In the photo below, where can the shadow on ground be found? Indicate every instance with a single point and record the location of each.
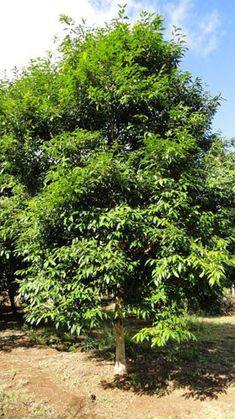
(203, 369)
(11, 334)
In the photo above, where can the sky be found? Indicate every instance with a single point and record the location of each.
(27, 29)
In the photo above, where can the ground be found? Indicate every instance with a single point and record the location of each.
(189, 381)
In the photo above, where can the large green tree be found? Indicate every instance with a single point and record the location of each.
(119, 199)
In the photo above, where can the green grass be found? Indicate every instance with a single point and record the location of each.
(49, 336)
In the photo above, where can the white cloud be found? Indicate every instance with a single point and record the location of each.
(178, 13)
(27, 26)
(209, 32)
(202, 32)
(107, 9)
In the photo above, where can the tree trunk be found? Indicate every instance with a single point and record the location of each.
(11, 292)
(120, 361)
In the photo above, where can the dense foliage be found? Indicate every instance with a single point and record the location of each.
(113, 186)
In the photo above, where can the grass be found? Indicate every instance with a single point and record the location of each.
(62, 341)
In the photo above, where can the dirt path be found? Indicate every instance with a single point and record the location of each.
(40, 382)
(30, 385)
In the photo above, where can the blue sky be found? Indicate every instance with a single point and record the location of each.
(27, 28)
(211, 53)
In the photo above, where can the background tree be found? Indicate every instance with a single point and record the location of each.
(25, 114)
(122, 204)
(220, 166)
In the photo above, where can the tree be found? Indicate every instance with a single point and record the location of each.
(124, 209)
(29, 117)
(220, 164)
(25, 114)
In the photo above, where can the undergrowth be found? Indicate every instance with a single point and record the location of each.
(103, 341)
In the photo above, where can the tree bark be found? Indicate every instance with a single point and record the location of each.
(11, 292)
(120, 361)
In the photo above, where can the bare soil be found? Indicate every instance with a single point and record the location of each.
(40, 382)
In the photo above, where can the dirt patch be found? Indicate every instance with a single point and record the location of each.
(25, 374)
(40, 382)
